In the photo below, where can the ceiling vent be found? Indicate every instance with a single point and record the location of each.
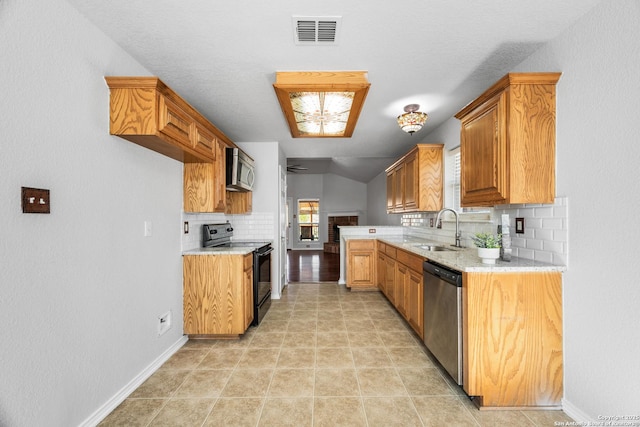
(316, 30)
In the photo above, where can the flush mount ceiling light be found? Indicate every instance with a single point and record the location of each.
(321, 104)
(412, 120)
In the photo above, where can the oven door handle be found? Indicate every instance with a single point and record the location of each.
(267, 252)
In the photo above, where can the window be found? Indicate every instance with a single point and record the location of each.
(452, 197)
(308, 219)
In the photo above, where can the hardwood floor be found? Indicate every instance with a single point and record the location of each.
(312, 266)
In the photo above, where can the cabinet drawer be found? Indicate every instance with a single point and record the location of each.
(391, 251)
(361, 244)
(412, 261)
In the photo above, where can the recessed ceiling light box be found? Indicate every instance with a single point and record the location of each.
(321, 104)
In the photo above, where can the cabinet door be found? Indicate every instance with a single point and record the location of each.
(173, 122)
(390, 192)
(415, 302)
(411, 185)
(389, 279)
(381, 262)
(213, 299)
(361, 263)
(429, 179)
(398, 190)
(238, 202)
(483, 156)
(204, 183)
(400, 284)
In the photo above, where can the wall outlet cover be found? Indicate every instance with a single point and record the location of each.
(164, 323)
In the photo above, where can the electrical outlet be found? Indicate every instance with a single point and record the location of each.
(186, 227)
(164, 323)
(430, 222)
(372, 231)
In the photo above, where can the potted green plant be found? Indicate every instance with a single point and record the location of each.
(488, 246)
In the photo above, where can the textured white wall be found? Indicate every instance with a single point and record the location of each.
(80, 288)
(598, 156)
(377, 202)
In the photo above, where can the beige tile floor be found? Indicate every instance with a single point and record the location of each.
(323, 356)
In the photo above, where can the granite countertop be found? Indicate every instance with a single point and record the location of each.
(219, 251)
(460, 259)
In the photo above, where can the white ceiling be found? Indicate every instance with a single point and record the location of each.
(221, 56)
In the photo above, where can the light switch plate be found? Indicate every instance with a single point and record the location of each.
(35, 200)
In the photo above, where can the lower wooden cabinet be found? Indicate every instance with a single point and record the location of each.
(399, 278)
(415, 302)
(361, 264)
(400, 287)
(512, 338)
(217, 294)
(409, 289)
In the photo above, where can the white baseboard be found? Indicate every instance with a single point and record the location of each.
(576, 413)
(121, 395)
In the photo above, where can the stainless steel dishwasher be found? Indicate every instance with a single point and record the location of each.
(443, 317)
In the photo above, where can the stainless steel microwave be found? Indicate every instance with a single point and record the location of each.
(240, 170)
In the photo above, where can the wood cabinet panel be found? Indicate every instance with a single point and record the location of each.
(512, 338)
(415, 302)
(381, 262)
(415, 181)
(204, 141)
(389, 279)
(239, 202)
(173, 122)
(507, 142)
(400, 287)
(248, 290)
(215, 294)
(147, 112)
(390, 192)
(361, 268)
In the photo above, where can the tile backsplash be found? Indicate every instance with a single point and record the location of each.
(545, 236)
(257, 226)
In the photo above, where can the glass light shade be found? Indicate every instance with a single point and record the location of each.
(412, 121)
(321, 104)
(321, 113)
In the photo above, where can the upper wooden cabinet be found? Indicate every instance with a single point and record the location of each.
(507, 142)
(204, 183)
(147, 112)
(415, 181)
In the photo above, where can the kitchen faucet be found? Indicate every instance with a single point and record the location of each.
(457, 245)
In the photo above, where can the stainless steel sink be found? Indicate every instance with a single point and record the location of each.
(434, 248)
